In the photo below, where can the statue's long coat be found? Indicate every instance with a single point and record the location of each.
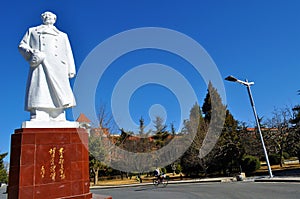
(48, 83)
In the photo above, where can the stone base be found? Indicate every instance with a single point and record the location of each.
(48, 163)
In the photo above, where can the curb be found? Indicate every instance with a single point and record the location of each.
(278, 179)
(206, 180)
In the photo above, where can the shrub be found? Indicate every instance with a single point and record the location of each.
(274, 159)
(286, 155)
(250, 164)
(178, 169)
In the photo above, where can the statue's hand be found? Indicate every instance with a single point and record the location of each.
(71, 75)
(37, 58)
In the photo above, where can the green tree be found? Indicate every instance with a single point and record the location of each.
(228, 150)
(214, 116)
(143, 143)
(190, 161)
(206, 155)
(3, 172)
(296, 116)
(227, 153)
(142, 127)
(213, 107)
(203, 151)
(160, 132)
(293, 142)
(293, 138)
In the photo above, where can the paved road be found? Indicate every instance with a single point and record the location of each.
(236, 190)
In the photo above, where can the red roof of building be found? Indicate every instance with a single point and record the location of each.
(83, 119)
(263, 129)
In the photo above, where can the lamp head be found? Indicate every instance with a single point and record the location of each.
(231, 79)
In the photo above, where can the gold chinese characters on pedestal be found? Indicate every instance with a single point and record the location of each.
(53, 165)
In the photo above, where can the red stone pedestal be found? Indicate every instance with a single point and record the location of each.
(47, 163)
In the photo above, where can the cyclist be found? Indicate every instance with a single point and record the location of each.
(161, 178)
(157, 174)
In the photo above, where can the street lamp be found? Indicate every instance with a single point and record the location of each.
(248, 84)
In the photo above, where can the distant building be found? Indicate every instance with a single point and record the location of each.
(254, 130)
(84, 122)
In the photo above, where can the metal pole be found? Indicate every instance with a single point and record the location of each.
(259, 130)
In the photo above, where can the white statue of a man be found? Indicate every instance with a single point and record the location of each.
(49, 54)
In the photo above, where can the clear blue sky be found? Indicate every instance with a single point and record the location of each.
(258, 40)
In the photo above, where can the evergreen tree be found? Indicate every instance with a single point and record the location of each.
(228, 150)
(160, 133)
(296, 118)
(214, 115)
(213, 106)
(190, 161)
(142, 126)
(226, 153)
(3, 172)
(293, 139)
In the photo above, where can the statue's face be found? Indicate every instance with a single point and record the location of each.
(48, 18)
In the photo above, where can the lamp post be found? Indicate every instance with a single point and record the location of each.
(248, 84)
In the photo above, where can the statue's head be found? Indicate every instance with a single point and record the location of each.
(48, 18)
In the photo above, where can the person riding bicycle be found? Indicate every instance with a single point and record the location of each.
(158, 174)
(160, 178)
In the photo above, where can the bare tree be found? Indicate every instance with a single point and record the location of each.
(278, 131)
(106, 119)
(99, 143)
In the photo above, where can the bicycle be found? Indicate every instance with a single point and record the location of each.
(163, 179)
